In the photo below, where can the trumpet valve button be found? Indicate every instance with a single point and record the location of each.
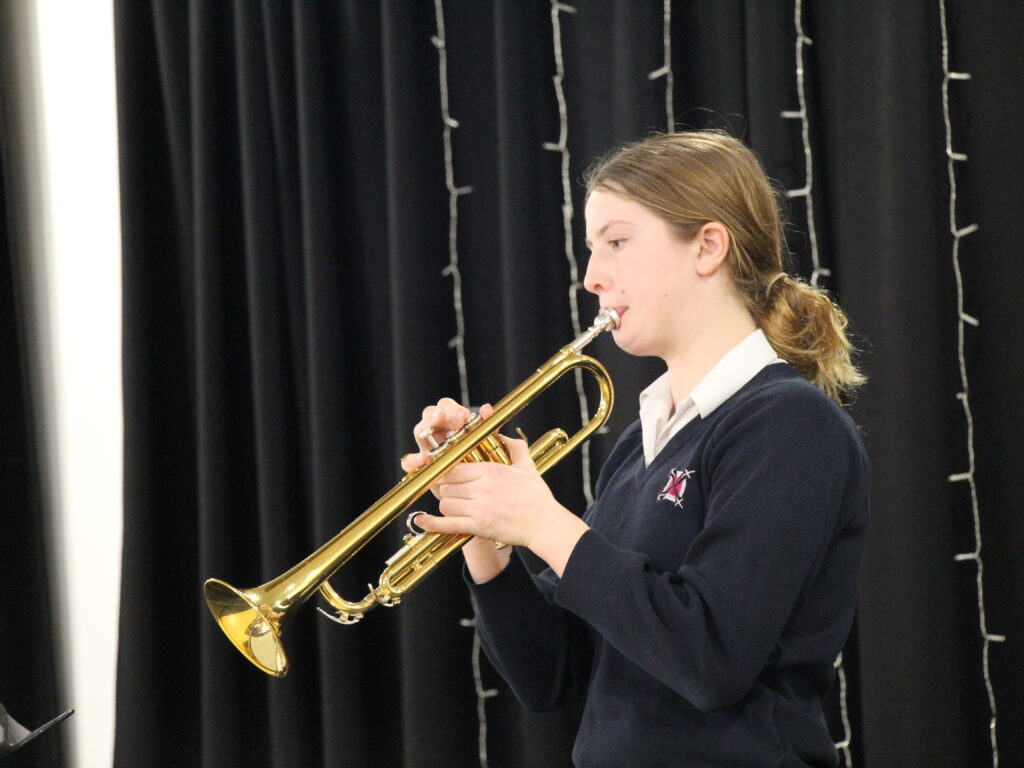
(410, 523)
(455, 435)
(427, 436)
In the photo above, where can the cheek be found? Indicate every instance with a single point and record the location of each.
(660, 291)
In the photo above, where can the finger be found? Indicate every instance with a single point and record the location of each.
(436, 524)
(455, 415)
(518, 452)
(435, 423)
(427, 425)
(465, 473)
(455, 491)
(438, 420)
(486, 411)
(457, 508)
(413, 461)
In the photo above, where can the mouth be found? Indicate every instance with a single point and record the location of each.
(620, 311)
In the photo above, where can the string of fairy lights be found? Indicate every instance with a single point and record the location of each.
(482, 693)
(843, 745)
(817, 272)
(458, 343)
(964, 319)
(802, 41)
(561, 146)
(665, 70)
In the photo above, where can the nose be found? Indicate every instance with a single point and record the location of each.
(596, 279)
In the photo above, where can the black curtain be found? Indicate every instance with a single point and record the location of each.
(30, 685)
(288, 312)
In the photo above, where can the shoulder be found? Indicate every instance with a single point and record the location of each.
(783, 409)
(780, 433)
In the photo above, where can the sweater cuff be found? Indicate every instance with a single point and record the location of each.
(589, 575)
(512, 579)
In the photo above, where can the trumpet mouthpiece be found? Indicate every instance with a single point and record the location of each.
(608, 318)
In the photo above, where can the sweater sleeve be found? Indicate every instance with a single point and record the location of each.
(532, 643)
(776, 481)
(536, 646)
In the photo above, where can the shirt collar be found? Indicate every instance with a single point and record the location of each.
(738, 366)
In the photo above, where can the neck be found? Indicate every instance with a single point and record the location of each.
(704, 349)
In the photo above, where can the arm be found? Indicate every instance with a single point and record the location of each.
(536, 646)
(782, 492)
(530, 641)
(542, 650)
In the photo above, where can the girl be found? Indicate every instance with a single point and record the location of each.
(712, 583)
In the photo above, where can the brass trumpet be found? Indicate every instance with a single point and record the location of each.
(254, 619)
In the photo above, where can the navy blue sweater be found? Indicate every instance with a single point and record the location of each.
(712, 594)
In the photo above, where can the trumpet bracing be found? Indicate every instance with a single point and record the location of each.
(254, 619)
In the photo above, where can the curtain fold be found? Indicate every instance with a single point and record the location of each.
(31, 684)
(292, 301)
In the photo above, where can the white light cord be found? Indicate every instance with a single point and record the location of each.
(844, 745)
(459, 342)
(817, 272)
(963, 318)
(561, 146)
(666, 69)
(482, 694)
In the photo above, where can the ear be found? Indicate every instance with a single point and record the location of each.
(713, 245)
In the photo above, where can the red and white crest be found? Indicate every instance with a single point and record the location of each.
(676, 486)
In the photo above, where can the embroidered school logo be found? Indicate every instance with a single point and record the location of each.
(676, 486)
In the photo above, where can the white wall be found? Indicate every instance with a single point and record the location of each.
(80, 256)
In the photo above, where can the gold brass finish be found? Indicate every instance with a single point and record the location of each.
(254, 619)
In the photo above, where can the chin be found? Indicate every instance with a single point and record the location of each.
(629, 344)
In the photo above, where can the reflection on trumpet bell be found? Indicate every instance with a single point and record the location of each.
(251, 626)
(254, 619)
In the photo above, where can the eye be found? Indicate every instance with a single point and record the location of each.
(615, 244)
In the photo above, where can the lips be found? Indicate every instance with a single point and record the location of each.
(620, 311)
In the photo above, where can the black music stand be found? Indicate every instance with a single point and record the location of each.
(13, 735)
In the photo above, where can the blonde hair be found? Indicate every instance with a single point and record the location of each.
(692, 178)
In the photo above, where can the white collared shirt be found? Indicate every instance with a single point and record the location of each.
(659, 423)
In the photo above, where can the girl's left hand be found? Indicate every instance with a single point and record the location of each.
(507, 503)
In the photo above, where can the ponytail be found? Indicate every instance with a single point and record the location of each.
(808, 330)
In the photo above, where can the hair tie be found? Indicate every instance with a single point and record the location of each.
(773, 281)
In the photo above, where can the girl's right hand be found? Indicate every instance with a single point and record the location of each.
(483, 560)
(447, 416)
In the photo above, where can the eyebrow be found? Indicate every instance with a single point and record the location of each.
(601, 231)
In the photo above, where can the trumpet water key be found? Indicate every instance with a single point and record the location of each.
(254, 619)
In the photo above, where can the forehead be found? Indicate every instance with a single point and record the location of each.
(605, 205)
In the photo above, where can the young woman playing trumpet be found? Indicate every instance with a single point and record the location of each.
(711, 585)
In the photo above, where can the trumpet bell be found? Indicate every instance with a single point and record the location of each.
(256, 636)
